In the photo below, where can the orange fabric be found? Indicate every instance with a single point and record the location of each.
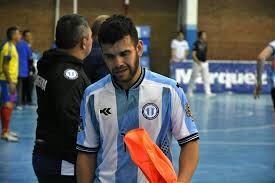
(156, 167)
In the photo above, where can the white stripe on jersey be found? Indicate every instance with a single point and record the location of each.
(178, 112)
(108, 131)
(151, 126)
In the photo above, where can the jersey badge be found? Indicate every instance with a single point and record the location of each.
(70, 74)
(150, 111)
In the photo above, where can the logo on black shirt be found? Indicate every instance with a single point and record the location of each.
(71, 74)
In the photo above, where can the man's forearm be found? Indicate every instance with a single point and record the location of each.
(173, 55)
(186, 54)
(188, 160)
(195, 58)
(6, 72)
(85, 167)
(260, 64)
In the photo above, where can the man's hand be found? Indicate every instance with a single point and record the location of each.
(197, 62)
(257, 91)
(12, 88)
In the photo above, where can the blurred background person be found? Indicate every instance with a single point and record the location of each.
(9, 62)
(94, 65)
(28, 37)
(179, 48)
(25, 59)
(265, 54)
(200, 65)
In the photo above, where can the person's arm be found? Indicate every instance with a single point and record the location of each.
(194, 53)
(186, 50)
(186, 54)
(173, 54)
(85, 167)
(87, 143)
(30, 61)
(188, 161)
(185, 132)
(262, 57)
(12, 85)
(195, 58)
(173, 51)
(6, 65)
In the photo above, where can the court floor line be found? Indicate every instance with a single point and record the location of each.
(237, 143)
(237, 129)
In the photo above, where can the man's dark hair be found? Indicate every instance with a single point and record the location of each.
(180, 32)
(200, 33)
(11, 31)
(70, 30)
(26, 31)
(116, 28)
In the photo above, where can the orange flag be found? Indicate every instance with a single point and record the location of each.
(156, 167)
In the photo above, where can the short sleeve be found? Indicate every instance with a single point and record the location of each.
(195, 46)
(272, 45)
(173, 44)
(88, 130)
(6, 52)
(183, 126)
(186, 45)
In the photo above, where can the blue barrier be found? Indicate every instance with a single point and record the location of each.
(225, 76)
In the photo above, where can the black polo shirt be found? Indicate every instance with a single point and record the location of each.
(201, 50)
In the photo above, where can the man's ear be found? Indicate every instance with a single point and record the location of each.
(140, 48)
(83, 43)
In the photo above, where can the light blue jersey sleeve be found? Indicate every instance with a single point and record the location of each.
(272, 45)
(88, 130)
(183, 125)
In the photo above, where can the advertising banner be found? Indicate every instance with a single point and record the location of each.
(225, 76)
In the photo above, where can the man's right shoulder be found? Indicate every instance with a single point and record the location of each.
(99, 85)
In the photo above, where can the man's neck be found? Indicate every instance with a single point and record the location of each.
(13, 42)
(128, 85)
(202, 40)
(74, 53)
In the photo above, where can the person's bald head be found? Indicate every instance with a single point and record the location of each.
(97, 24)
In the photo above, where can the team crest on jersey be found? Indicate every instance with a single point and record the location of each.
(150, 111)
(188, 111)
(71, 74)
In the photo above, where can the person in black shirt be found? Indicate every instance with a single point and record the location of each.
(94, 64)
(200, 64)
(60, 84)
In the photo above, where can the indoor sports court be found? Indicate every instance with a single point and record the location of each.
(220, 53)
(236, 141)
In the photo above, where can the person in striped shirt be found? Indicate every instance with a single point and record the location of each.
(128, 98)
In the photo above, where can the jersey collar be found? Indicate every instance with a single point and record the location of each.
(136, 84)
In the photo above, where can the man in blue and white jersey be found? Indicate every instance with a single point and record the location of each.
(131, 97)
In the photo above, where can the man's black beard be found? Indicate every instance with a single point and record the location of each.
(133, 71)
